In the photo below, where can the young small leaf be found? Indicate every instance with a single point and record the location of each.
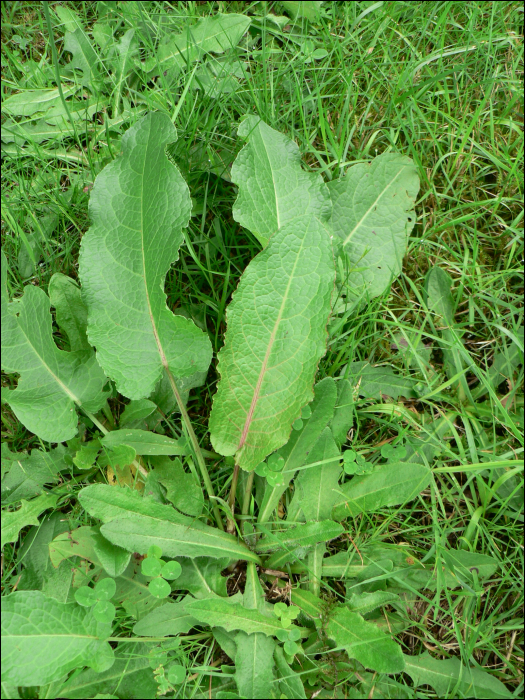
(71, 312)
(176, 674)
(114, 559)
(138, 206)
(104, 611)
(171, 570)
(151, 566)
(105, 589)
(86, 596)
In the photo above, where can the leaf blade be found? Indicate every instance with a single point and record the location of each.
(123, 267)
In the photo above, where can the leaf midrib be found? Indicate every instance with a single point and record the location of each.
(255, 397)
(365, 215)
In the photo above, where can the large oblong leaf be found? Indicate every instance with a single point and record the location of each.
(135, 523)
(273, 187)
(139, 206)
(233, 616)
(275, 338)
(52, 383)
(43, 639)
(373, 214)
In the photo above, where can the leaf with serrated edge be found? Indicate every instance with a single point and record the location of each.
(139, 206)
(52, 382)
(387, 485)
(365, 642)
(290, 683)
(137, 533)
(214, 34)
(27, 514)
(373, 215)
(187, 537)
(300, 536)
(447, 674)
(232, 616)
(169, 619)
(43, 639)
(273, 187)
(275, 337)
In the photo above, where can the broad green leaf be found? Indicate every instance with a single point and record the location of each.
(254, 665)
(373, 215)
(364, 603)
(130, 674)
(201, 576)
(273, 187)
(447, 675)
(138, 532)
(343, 414)
(290, 683)
(138, 207)
(232, 616)
(365, 642)
(376, 382)
(143, 442)
(43, 639)
(182, 489)
(350, 565)
(83, 57)
(301, 442)
(168, 619)
(253, 596)
(388, 484)
(27, 514)
(29, 102)
(310, 10)
(465, 562)
(71, 312)
(300, 536)
(102, 34)
(34, 553)
(275, 338)
(113, 559)
(109, 502)
(317, 488)
(163, 395)
(174, 533)
(52, 382)
(214, 34)
(136, 410)
(24, 475)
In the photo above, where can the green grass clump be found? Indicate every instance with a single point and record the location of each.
(440, 82)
